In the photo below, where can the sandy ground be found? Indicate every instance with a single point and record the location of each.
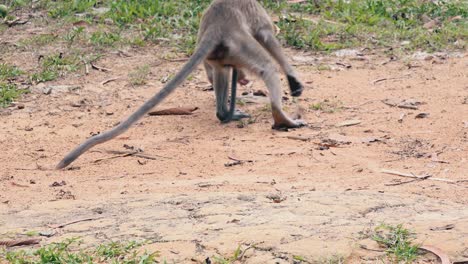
(202, 188)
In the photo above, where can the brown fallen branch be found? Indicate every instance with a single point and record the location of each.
(421, 177)
(174, 111)
(444, 258)
(98, 68)
(74, 222)
(126, 154)
(19, 185)
(137, 154)
(86, 66)
(300, 138)
(400, 183)
(374, 82)
(110, 80)
(236, 162)
(20, 242)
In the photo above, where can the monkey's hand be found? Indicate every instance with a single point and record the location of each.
(295, 85)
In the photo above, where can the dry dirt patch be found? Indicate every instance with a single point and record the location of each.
(193, 204)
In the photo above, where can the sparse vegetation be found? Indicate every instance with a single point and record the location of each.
(70, 251)
(313, 25)
(327, 106)
(335, 259)
(398, 242)
(55, 66)
(9, 90)
(140, 75)
(236, 256)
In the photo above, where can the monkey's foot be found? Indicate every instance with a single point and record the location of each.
(238, 115)
(295, 85)
(284, 126)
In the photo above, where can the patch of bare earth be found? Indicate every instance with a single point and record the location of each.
(201, 188)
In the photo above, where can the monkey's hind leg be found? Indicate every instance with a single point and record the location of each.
(268, 40)
(221, 87)
(251, 55)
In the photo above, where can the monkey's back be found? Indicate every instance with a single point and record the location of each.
(243, 15)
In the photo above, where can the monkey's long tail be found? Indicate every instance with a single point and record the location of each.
(204, 48)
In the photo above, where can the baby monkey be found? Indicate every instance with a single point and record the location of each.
(234, 36)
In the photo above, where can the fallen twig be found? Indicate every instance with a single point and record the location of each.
(110, 80)
(94, 66)
(407, 175)
(422, 177)
(137, 154)
(115, 157)
(401, 183)
(20, 242)
(86, 67)
(374, 82)
(236, 162)
(19, 185)
(300, 138)
(74, 222)
(174, 111)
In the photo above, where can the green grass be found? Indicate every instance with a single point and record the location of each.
(104, 38)
(398, 242)
(71, 251)
(8, 93)
(38, 40)
(327, 106)
(54, 66)
(8, 90)
(324, 25)
(139, 75)
(9, 72)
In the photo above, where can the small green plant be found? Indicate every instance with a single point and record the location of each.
(8, 93)
(8, 90)
(55, 66)
(9, 72)
(71, 251)
(74, 34)
(327, 106)
(103, 38)
(238, 255)
(397, 241)
(139, 76)
(335, 259)
(38, 40)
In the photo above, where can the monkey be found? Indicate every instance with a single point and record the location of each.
(234, 36)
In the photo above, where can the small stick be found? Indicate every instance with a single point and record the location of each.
(115, 157)
(137, 154)
(305, 139)
(110, 80)
(400, 183)
(407, 175)
(234, 159)
(94, 66)
(424, 177)
(74, 222)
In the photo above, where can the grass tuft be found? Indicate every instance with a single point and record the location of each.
(397, 241)
(71, 251)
